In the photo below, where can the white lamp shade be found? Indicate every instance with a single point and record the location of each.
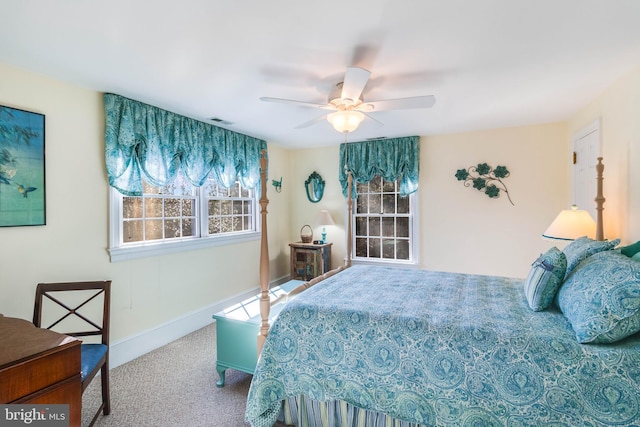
(571, 224)
(324, 218)
(345, 120)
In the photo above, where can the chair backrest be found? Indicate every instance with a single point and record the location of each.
(73, 312)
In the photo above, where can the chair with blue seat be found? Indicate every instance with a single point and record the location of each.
(80, 309)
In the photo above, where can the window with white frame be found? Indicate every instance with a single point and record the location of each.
(180, 216)
(384, 223)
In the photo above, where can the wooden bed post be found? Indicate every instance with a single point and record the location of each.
(265, 301)
(349, 214)
(264, 256)
(599, 201)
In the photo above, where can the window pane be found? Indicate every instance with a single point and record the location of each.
(237, 207)
(132, 207)
(153, 208)
(214, 225)
(388, 227)
(403, 205)
(132, 231)
(172, 207)
(361, 247)
(375, 203)
(188, 206)
(402, 249)
(374, 248)
(389, 187)
(172, 228)
(187, 227)
(374, 226)
(225, 207)
(361, 226)
(362, 188)
(362, 203)
(388, 248)
(402, 226)
(389, 203)
(226, 224)
(153, 229)
(215, 207)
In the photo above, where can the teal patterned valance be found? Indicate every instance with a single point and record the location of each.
(392, 159)
(147, 142)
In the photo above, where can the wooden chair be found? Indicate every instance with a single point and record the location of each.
(68, 299)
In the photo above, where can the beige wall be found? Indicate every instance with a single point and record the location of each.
(325, 162)
(461, 229)
(618, 109)
(72, 246)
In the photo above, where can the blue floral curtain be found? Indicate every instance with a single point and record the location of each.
(392, 159)
(147, 142)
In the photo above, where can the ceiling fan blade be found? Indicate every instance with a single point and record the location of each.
(312, 122)
(399, 104)
(377, 122)
(298, 103)
(355, 79)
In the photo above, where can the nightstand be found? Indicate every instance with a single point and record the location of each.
(308, 260)
(237, 330)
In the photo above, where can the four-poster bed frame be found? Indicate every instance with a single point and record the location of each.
(436, 348)
(266, 303)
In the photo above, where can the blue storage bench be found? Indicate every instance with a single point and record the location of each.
(237, 330)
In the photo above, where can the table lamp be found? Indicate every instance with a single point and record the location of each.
(324, 218)
(571, 224)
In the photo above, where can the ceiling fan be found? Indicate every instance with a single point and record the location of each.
(349, 108)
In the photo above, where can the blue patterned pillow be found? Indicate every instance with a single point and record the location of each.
(544, 279)
(582, 248)
(631, 250)
(601, 298)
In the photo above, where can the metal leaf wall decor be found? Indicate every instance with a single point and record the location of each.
(486, 179)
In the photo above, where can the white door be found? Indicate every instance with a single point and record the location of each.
(586, 150)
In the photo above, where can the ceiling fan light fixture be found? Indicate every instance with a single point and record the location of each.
(345, 121)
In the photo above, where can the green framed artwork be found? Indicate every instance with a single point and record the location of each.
(22, 177)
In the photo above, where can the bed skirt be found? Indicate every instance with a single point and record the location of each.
(300, 411)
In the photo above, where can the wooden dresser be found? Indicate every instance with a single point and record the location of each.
(38, 366)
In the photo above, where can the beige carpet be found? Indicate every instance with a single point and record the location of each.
(173, 386)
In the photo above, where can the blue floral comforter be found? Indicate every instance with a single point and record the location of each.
(441, 349)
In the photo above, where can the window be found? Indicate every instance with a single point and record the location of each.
(384, 223)
(180, 216)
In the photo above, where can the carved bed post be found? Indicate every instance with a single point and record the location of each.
(599, 201)
(349, 214)
(264, 256)
(265, 301)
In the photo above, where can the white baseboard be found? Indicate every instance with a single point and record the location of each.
(135, 346)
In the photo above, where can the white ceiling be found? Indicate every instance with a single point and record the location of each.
(489, 63)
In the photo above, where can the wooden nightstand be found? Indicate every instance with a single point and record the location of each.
(237, 330)
(308, 260)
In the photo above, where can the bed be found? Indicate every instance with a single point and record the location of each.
(444, 349)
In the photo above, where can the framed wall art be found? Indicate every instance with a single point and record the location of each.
(22, 175)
